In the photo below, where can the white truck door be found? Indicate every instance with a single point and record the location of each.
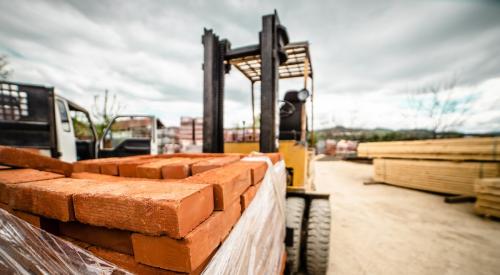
(66, 143)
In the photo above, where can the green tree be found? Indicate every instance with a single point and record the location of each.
(104, 109)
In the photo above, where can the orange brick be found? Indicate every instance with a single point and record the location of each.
(114, 239)
(21, 158)
(101, 165)
(48, 225)
(127, 262)
(257, 168)
(110, 167)
(145, 206)
(153, 169)
(107, 178)
(97, 177)
(231, 217)
(213, 163)
(15, 176)
(180, 170)
(48, 198)
(229, 183)
(5, 207)
(183, 255)
(29, 218)
(247, 197)
(129, 168)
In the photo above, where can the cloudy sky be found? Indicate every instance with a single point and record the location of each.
(369, 57)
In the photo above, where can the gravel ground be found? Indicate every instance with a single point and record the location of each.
(382, 229)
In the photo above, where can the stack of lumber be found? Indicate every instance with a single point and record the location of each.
(148, 214)
(488, 197)
(481, 149)
(443, 165)
(448, 177)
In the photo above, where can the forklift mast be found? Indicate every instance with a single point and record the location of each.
(217, 62)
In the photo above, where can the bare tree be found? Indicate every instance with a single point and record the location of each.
(439, 106)
(4, 71)
(104, 109)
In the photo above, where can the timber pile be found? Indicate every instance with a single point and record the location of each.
(481, 149)
(438, 176)
(488, 197)
(162, 214)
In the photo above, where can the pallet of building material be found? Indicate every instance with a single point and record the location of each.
(29, 250)
(434, 175)
(488, 197)
(484, 149)
(144, 225)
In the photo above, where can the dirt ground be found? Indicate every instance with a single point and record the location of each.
(382, 229)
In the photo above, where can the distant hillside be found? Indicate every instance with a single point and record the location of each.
(380, 134)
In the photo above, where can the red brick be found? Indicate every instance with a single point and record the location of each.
(127, 262)
(213, 163)
(129, 168)
(153, 169)
(180, 255)
(102, 165)
(97, 177)
(107, 178)
(114, 239)
(48, 225)
(111, 167)
(145, 206)
(229, 183)
(180, 170)
(21, 158)
(258, 169)
(231, 217)
(15, 176)
(201, 155)
(247, 197)
(29, 218)
(5, 207)
(48, 198)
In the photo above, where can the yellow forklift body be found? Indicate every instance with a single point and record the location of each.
(296, 159)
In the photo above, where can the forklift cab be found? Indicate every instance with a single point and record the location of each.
(283, 128)
(283, 123)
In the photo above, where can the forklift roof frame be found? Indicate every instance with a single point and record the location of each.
(272, 59)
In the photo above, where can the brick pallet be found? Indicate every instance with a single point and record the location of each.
(162, 220)
(488, 197)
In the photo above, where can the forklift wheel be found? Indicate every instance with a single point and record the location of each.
(318, 237)
(294, 214)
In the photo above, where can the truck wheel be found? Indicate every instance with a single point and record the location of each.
(294, 214)
(318, 237)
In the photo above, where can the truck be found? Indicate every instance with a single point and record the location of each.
(36, 117)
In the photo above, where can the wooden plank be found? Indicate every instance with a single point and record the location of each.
(487, 149)
(434, 175)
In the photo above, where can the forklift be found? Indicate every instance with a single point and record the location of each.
(283, 128)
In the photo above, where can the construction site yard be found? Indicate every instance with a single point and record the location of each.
(384, 229)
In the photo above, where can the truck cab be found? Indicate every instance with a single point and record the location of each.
(36, 118)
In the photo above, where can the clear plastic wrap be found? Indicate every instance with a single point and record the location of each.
(256, 243)
(25, 249)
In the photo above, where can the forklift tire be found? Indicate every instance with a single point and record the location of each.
(294, 215)
(318, 237)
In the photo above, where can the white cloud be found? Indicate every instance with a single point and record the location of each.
(365, 54)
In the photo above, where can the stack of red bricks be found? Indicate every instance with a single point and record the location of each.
(164, 214)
